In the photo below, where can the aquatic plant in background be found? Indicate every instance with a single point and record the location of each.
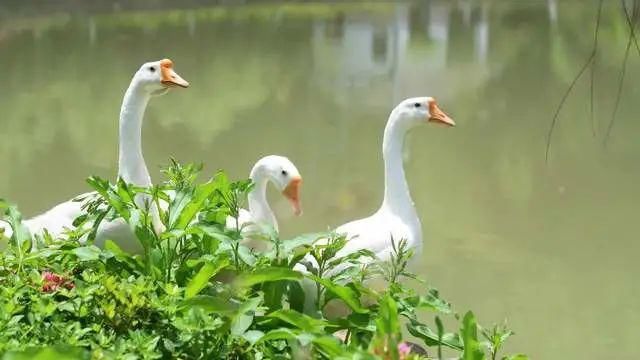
(196, 292)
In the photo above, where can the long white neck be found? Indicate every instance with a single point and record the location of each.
(258, 205)
(396, 191)
(131, 165)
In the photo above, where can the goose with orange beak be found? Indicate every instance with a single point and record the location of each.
(396, 219)
(283, 174)
(151, 79)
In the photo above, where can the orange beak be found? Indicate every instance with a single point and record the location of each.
(292, 193)
(438, 116)
(169, 77)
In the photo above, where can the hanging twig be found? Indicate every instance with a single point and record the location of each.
(620, 84)
(622, 73)
(590, 61)
(564, 98)
(593, 69)
(630, 23)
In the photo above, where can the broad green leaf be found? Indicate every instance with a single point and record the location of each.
(266, 275)
(87, 253)
(114, 248)
(388, 316)
(304, 239)
(180, 200)
(210, 304)
(48, 353)
(246, 256)
(387, 326)
(43, 253)
(253, 336)
(241, 323)
(301, 321)
(296, 296)
(124, 191)
(273, 293)
(278, 334)
(431, 301)
(122, 257)
(330, 346)
(346, 294)
(21, 235)
(430, 338)
(200, 280)
(244, 317)
(469, 334)
(139, 227)
(195, 204)
(516, 357)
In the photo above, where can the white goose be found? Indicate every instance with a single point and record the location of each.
(279, 171)
(396, 218)
(152, 79)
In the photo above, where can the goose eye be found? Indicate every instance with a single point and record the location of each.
(284, 172)
(416, 105)
(152, 69)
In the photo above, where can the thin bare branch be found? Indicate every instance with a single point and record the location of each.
(564, 98)
(630, 23)
(593, 69)
(619, 95)
(591, 60)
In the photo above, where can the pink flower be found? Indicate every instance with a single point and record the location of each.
(404, 349)
(51, 282)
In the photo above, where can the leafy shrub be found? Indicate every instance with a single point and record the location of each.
(196, 292)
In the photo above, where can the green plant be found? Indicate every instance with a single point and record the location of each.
(196, 292)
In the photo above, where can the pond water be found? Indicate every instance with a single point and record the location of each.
(550, 246)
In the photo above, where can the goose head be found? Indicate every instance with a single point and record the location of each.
(418, 110)
(280, 171)
(157, 77)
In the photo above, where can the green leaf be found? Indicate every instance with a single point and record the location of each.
(301, 321)
(201, 279)
(266, 275)
(303, 240)
(440, 327)
(430, 338)
(122, 258)
(87, 253)
(114, 248)
(177, 205)
(241, 323)
(21, 233)
(296, 296)
(246, 256)
(388, 327)
(253, 336)
(431, 301)
(516, 357)
(48, 353)
(346, 294)
(278, 334)
(194, 204)
(387, 322)
(469, 334)
(244, 317)
(210, 304)
(330, 347)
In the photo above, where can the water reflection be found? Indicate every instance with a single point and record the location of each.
(547, 246)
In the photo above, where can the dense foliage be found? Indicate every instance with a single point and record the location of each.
(195, 291)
